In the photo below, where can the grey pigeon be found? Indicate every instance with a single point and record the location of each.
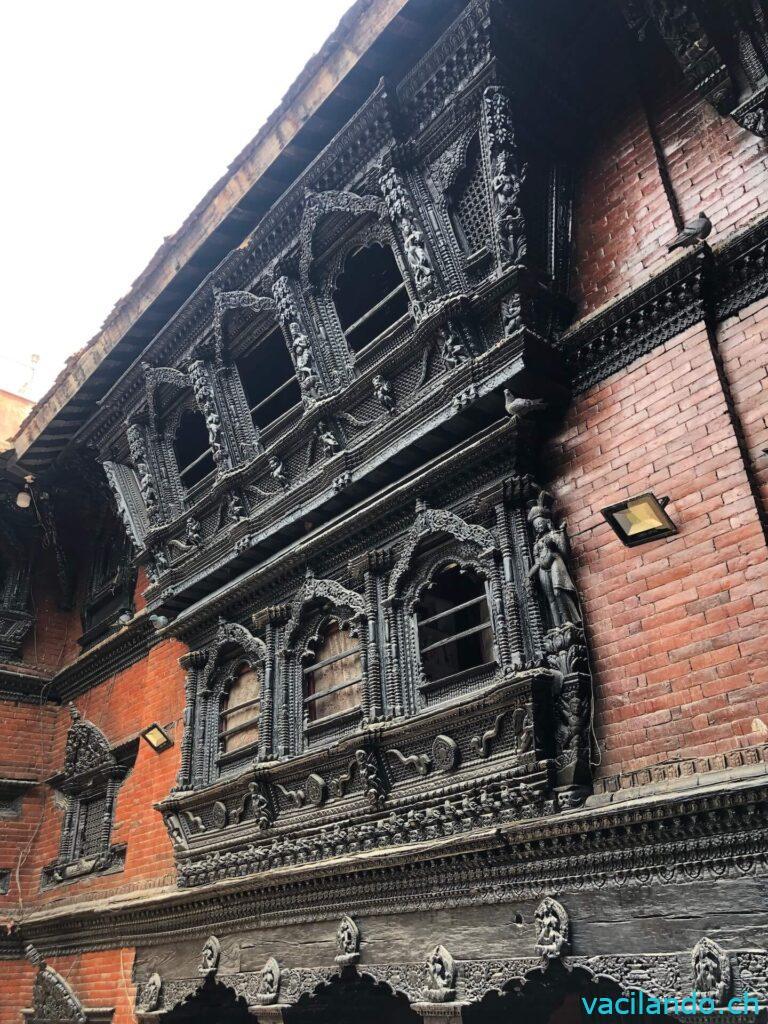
(516, 406)
(692, 233)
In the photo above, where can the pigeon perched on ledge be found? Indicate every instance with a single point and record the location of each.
(516, 406)
(692, 233)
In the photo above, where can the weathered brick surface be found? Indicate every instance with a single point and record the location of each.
(678, 627)
(150, 691)
(100, 979)
(743, 342)
(622, 219)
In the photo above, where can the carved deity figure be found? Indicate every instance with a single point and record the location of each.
(711, 970)
(277, 471)
(453, 349)
(383, 393)
(327, 439)
(347, 941)
(150, 994)
(269, 983)
(209, 958)
(550, 550)
(416, 254)
(302, 357)
(442, 974)
(552, 923)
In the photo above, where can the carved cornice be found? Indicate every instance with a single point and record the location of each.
(696, 835)
(114, 654)
(703, 283)
(652, 314)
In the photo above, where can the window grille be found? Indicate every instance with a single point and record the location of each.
(239, 718)
(454, 625)
(333, 683)
(370, 295)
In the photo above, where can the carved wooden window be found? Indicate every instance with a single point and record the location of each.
(192, 449)
(454, 624)
(333, 682)
(90, 780)
(469, 205)
(89, 816)
(269, 380)
(240, 714)
(370, 294)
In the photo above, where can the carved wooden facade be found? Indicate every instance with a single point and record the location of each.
(401, 462)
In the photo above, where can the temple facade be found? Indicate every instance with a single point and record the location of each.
(383, 591)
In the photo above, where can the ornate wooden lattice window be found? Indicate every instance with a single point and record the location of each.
(370, 294)
(90, 780)
(468, 205)
(240, 715)
(333, 681)
(268, 379)
(454, 624)
(192, 448)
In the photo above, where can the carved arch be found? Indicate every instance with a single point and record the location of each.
(321, 590)
(154, 376)
(432, 521)
(54, 1000)
(225, 301)
(318, 205)
(87, 749)
(228, 635)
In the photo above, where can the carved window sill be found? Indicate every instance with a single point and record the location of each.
(101, 864)
(483, 672)
(316, 732)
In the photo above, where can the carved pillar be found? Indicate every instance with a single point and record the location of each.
(105, 827)
(439, 1013)
(297, 338)
(192, 663)
(160, 491)
(393, 678)
(506, 174)
(272, 620)
(67, 828)
(220, 398)
(402, 213)
(498, 610)
(508, 574)
(376, 564)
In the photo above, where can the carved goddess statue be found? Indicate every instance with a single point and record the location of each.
(550, 550)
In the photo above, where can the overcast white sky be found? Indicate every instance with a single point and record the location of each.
(117, 118)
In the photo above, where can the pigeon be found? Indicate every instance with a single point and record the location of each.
(692, 233)
(517, 406)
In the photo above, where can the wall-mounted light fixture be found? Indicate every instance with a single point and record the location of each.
(640, 519)
(157, 738)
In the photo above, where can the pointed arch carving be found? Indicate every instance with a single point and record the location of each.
(225, 301)
(316, 590)
(87, 749)
(431, 521)
(54, 1001)
(318, 205)
(231, 634)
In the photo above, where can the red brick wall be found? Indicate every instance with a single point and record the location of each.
(150, 691)
(52, 641)
(679, 627)
(25, 746)
(743, 342)
(100, 979)
(622, 220)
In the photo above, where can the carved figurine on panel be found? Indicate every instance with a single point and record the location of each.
(210, 956)
(712, 975)
(550, 551)
(442, 975)
(347, 942)
(269, 983)
(552, 927)
(383, 392)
